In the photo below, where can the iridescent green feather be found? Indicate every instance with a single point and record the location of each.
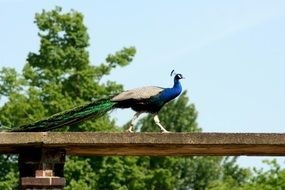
(94, 109)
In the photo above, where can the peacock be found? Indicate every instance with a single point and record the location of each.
(149, 99)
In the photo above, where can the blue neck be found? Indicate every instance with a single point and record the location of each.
(171, 93)
(177, 85)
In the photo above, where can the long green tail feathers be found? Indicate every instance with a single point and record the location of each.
(76, 115)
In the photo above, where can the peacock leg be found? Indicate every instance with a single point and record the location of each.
(133, 122)
(157, 122)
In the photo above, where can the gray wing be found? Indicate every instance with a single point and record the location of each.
(138, 93)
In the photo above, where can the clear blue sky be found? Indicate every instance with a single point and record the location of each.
(231, 52)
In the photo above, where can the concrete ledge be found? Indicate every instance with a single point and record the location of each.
(148, 144)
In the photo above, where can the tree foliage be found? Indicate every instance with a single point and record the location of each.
(59, 76)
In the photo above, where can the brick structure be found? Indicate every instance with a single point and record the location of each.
(41, 168)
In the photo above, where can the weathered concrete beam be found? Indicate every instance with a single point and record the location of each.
(150, 144)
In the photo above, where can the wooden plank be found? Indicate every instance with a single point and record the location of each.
(147, 144)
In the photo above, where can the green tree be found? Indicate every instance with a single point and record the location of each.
(57, 78)
(271, 179)
(231, 176)
(8, 172)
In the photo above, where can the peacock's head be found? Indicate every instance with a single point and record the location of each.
(177, 75)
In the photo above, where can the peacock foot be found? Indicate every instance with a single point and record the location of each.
(164, 131)
(130, 131)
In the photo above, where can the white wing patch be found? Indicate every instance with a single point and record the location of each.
(138, 93)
